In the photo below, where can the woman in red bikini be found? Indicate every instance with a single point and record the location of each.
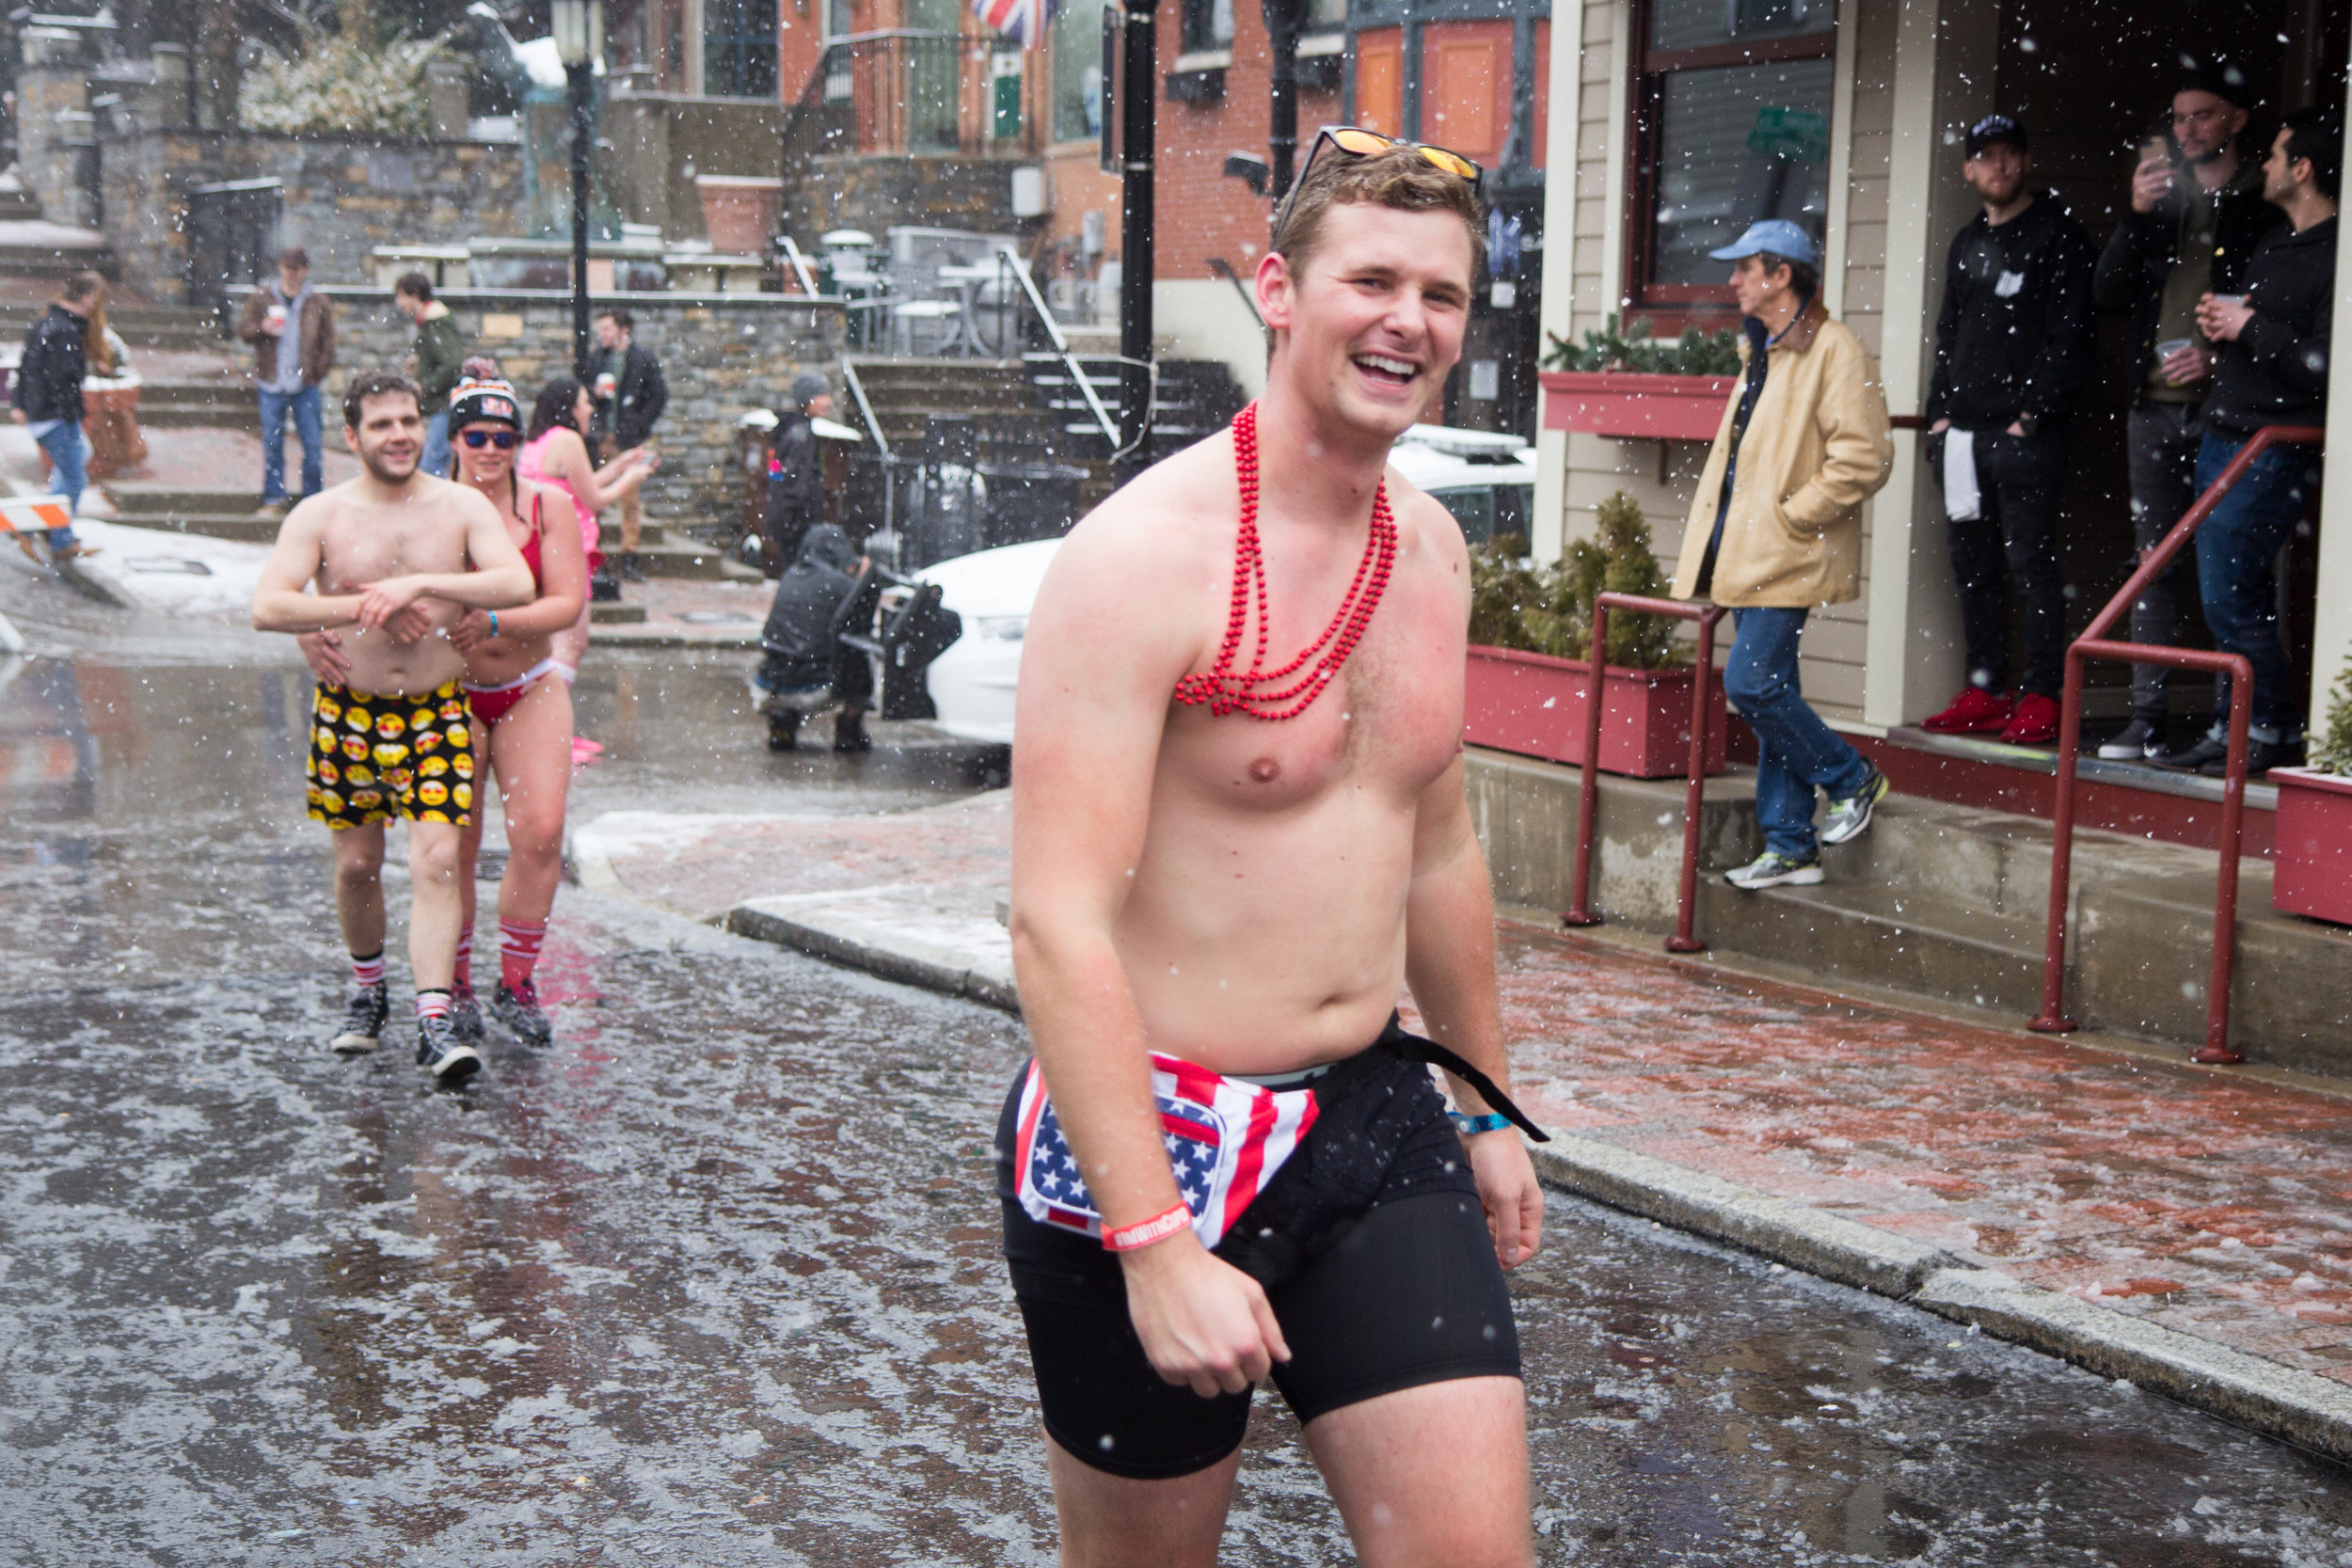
(522, 717)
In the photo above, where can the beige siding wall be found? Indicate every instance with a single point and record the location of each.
(1663, 475)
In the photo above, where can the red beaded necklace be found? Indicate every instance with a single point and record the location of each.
(1226, 691)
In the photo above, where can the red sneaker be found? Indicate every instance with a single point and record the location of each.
(2035, 722)
(1975, 711)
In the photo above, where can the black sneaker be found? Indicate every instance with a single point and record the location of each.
(363, 1022)
(519, 1011)
(464, 1016)
(2261, 757)
(440, 1053)
(2138, 742)
(2193, 756)
(849, 733)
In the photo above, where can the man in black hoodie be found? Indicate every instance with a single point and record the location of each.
(2012, 347)
(49, 398)
(796, 476)
(2197, 212)
(2270, 367)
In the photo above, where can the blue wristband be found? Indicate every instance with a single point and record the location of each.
(494, 622)
(1469, 1127)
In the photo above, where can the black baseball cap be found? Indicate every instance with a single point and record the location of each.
(2221, 77)
(1996, 128)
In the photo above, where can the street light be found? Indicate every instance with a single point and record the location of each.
(579, 29)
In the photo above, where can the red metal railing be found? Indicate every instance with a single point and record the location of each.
(1580, 911)
(2095, 643)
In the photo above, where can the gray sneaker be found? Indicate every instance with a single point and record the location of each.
(1850, 818)
(2139, 742)
(1774, 869)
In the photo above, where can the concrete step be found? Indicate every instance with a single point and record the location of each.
(149, 499)
(614, 613)
(1942, 903)
(684, 558)
(58, 261)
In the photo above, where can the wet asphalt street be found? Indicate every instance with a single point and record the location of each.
(713, 1280)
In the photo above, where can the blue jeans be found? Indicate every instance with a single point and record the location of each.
(305, 407)
(1799, 752)
(2235, 551)
(68, 450)
(438, 455)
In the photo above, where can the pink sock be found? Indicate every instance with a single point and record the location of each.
(463, 983)
(519, 951)
(432, 1003)
(369, 971)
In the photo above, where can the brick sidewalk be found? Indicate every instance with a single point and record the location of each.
(2212, 1205)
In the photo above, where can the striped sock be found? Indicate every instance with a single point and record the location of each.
(369, 972)
(432, 1003)
(519, 951)
(462, 984)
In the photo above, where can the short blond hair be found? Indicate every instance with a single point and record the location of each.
(1399, 178)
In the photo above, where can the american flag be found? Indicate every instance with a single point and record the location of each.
(1224, 1141)
(1022, 21)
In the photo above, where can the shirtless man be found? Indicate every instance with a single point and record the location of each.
(1223, 860)
(398, 555)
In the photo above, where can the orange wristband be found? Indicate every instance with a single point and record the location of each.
(1159, 1227)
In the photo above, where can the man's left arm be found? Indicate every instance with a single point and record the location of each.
(1449, 967)
(657, 396)
(1857, 453)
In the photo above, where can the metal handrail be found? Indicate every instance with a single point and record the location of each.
(1580, 911)
(2095, 643)
(1012, 261)
(798, 263)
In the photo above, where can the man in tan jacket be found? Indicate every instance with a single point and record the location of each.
(1776, 528)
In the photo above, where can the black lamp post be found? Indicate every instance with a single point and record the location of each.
(1139, 84)
(579, 29)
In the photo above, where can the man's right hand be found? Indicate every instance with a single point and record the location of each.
(2151, 186)
(1203, 1323)
(323, 651)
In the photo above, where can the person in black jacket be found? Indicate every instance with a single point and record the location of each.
(630, 394)
(2197, 212)
(2270, 367)
(49, 398)
(796, 479)
(2012, 348)
(804, 667)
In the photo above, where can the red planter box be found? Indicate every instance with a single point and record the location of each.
(2313, 858)
(1628, 404)
(1534, 705)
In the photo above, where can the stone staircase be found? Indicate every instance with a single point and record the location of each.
(1942, 903)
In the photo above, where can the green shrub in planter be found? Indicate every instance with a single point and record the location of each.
(1633, 349)
(2330, 747)
(1550, 610)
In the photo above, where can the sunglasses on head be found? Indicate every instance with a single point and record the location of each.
(1357, 142)
(501, 439)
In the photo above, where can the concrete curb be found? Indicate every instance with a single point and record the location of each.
(2278, 1401)
(1844, 1250)
(876, 947)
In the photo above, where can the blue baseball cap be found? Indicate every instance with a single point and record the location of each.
(1784, 239)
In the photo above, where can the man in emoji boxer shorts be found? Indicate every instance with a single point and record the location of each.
(398, 555)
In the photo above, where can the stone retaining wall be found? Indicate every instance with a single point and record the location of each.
(722, 356)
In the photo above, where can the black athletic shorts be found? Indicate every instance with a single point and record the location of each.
(1373, 1251)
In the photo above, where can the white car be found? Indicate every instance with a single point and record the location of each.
(1487, 480)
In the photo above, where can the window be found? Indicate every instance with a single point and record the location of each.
(739, 48)
(1465, 87)
(1208, 25)
(1324, 16)
(1078, 71)
(1731, 125)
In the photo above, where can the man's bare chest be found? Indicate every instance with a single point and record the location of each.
(361, 547)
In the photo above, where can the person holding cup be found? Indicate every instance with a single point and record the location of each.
(291, 327)
(2196, 215)
(2269, 367)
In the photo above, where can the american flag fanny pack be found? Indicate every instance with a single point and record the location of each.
(1225, 1138)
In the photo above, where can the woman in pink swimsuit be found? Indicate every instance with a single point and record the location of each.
(556, 455)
